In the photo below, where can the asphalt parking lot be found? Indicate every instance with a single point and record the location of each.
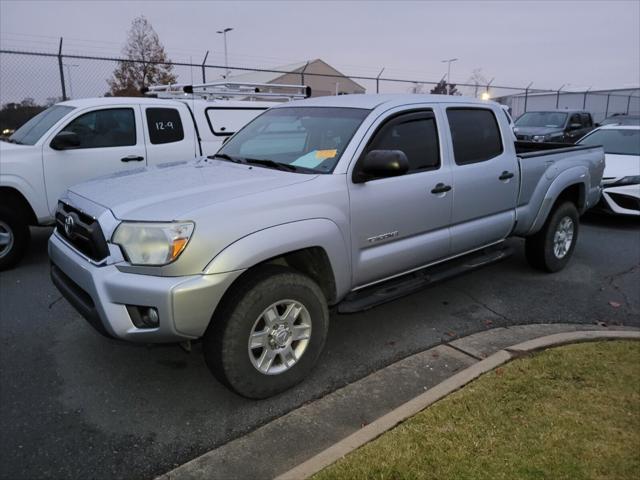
(75, 405)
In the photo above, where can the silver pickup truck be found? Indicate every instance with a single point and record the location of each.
(343, 202)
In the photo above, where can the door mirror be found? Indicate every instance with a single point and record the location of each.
(65, 140)
(381, 164)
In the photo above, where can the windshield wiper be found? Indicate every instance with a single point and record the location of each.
(11, 140)
(287, 167)
(224, 156)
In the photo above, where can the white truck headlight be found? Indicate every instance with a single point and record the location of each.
(152, 243)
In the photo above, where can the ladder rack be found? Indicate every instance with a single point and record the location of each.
(228, 89)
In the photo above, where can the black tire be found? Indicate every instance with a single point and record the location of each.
(539, 248)
(226, 341)
(14, 238)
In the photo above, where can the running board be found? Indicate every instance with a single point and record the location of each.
(375, 295)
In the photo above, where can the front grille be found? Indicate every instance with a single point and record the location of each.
(625, 201)
(82, 231)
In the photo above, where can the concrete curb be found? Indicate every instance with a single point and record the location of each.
(419, 403)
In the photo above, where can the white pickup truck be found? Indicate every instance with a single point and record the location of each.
(78, 140)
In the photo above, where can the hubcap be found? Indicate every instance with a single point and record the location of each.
(6, 239)
(279, 337)
(563, 237)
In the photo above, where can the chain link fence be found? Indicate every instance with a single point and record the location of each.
(41, 79)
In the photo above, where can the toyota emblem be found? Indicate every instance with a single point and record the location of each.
(69, 222)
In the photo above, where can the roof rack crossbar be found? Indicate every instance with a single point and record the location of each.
(225, 88)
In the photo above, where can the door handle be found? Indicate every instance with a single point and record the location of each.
(505, 175)
(132, 158)
(440, 188)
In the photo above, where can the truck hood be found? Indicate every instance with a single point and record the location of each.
(7, 147)
(537, 130)
(618, 166)
(170, 192)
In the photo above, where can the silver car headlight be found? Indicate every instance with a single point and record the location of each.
(152, 243)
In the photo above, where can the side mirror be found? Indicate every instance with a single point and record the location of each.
(381, 164)
(65, 140)
(575, 126)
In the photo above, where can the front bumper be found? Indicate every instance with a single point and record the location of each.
(101, 294)
(624, 200)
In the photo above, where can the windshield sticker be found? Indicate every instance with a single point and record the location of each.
(324, 154)
(314, 158)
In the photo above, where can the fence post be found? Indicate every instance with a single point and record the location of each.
(606, 112)
(558, 95)
(378, 81)
(628, 104)
(204, 75)
(584, 100)
(302, 73)
(526, 96)
(64, 88)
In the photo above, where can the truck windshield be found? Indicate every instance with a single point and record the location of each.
(622, 141)
(30, 132)
(542, 119)
(308, 139)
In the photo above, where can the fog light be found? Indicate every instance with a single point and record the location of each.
(144, 317)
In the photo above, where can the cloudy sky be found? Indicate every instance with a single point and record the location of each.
(578, 43)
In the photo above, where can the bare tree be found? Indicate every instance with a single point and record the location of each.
(478, 79)
(146, 62)
(444, 88)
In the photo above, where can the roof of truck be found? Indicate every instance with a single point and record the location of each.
(371, 101)
(99, 101)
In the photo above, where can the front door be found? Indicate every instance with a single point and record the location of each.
(397, 223)
(109, 142)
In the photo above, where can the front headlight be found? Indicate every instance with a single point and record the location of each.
(152, 243)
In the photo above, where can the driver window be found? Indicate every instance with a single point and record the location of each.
(575, 118)
(114, 127)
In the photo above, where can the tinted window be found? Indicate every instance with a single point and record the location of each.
(475, 135)
(115, 127)
(575, 118)
(416, 135)
(164, 125)
(586, 119)
(227, 121)
(30, 132)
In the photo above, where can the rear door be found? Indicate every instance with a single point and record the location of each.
(397, 223)
(169, 134)
(485, 178)
(111, 140)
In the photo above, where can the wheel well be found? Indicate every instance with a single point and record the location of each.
(573, 193)
(11, 196)
(313, 262)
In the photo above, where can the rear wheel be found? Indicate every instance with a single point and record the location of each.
(14, 238)
(552, 247)
(268, 333)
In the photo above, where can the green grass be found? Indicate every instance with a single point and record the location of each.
(571, 412)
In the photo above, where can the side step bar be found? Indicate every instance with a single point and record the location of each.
(375, 295)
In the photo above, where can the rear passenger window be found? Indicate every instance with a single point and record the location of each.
(586, 119)
(475, 135)
(164, 125)
(416, 135)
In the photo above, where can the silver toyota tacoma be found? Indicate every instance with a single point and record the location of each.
(342, 202)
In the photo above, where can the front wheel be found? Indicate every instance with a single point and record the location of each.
(552, 247)
(268, 333)
(14, 238)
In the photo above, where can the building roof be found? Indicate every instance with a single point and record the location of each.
(272, 77)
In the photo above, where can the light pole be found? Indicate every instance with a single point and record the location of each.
(226, 58)
(449, 62)
(68, 66)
